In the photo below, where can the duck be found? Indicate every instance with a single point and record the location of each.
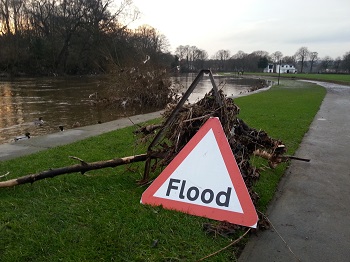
(39, 122)
(26, 136)
(123, 103)
(76, 124)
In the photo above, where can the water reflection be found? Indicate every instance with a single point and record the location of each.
(67, 102)
(232, 86)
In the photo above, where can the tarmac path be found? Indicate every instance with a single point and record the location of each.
(311, 209)
(35, 144)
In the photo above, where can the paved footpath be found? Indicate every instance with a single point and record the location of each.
(35, 144)
(311, 210)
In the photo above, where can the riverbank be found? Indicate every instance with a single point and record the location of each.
(72, 102)
(36, 144)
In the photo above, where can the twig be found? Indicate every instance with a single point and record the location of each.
(133, 122)
(196, 118)
(298, 158)
(79, 159)
(290, 250)
(5, 175)
(222, 249)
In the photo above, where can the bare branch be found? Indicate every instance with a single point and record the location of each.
(4, 175)
(79, 159)
(84, 167)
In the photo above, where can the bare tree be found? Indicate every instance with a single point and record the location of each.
(151, 40)
(5, 17)
(260, 53)
(346, 62)
(289, 60)
(200, 57)
(313, 58)
(183, 52)
(326, 63)
(191, 57)
(276, 56)
(337, 64)
(222, 56)
(239, 55)
(302, 55)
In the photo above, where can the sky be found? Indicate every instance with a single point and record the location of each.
(251, 25)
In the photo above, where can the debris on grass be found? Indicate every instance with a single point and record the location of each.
(244, 141)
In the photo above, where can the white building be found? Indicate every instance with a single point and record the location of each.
(269, 69)
(285, 69)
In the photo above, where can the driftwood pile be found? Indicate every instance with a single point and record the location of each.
(244, 141)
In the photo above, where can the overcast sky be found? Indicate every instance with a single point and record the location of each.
(250, 25)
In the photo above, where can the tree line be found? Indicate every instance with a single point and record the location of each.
(50, 37)
(191, 58)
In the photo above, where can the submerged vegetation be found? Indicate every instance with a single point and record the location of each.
(137, 87)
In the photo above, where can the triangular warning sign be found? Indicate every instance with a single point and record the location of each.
(204, 180)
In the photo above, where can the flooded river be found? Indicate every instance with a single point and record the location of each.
(68, 102)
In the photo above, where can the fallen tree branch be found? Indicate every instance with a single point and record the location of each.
(275, 159)
(82, 168)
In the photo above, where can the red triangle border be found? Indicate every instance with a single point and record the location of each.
(247, 218)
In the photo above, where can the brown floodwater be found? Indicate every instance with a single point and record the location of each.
(68, 102)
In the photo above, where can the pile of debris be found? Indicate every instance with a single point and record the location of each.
(244, 141)
(137, 87)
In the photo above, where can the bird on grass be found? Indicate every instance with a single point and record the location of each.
(39, 122)
(26, 136)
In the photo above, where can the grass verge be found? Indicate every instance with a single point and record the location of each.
(334, 78)
(98, 217)
(285, 113)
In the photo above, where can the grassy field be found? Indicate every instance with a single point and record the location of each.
(334, 78)
(98, 216)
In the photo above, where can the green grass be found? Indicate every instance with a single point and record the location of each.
(285, 113)
(334, 78)
(98, 217)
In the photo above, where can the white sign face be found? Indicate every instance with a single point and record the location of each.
(202, 179)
